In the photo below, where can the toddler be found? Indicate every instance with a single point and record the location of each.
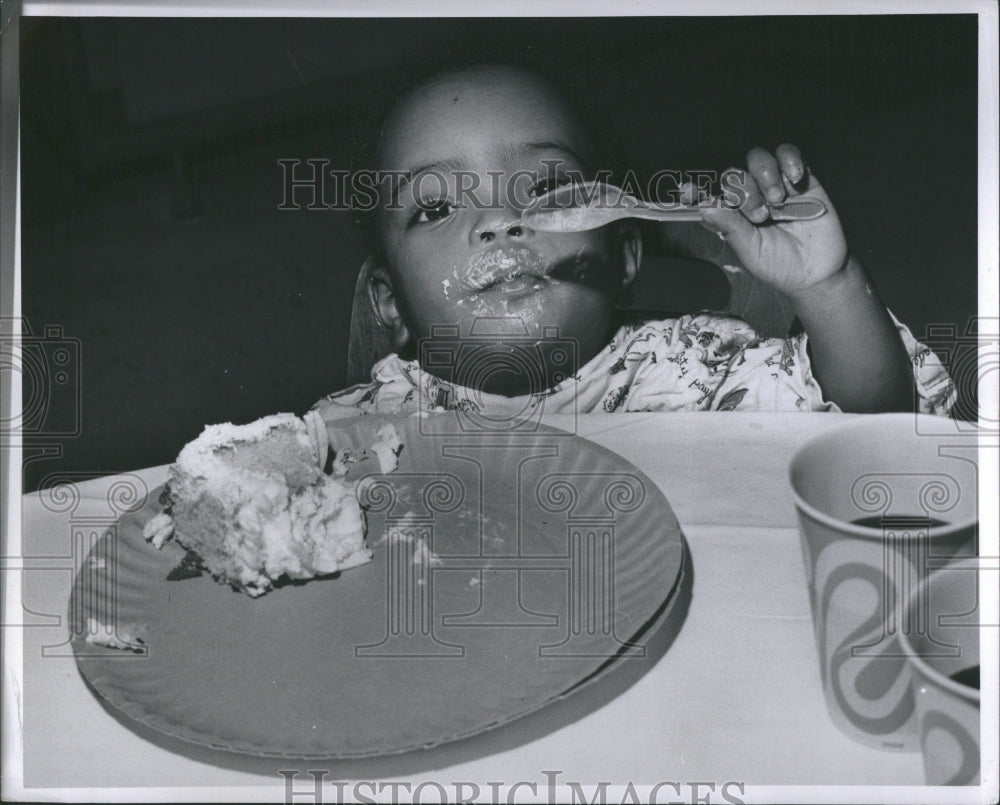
(486, 314)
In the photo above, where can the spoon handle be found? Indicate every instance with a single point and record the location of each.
(793, 209)
(598, 209)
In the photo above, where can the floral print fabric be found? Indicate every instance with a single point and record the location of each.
(702, 362)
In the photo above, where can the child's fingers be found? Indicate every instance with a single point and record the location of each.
(752, 203)
(790, 159)
(764, 169)
(729, 223)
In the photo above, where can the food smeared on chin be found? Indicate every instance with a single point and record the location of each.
(255, 505)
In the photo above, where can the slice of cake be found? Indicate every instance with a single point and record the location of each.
(254, 504)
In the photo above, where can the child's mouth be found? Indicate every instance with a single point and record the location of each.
(517, 270)
(516, 284)
(497, 267)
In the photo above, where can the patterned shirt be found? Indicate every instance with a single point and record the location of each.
(702, 362)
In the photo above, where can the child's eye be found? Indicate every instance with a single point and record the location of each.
(548, 184)
(433, 211)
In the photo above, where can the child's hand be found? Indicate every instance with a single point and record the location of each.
(791, 256)
(855, 349)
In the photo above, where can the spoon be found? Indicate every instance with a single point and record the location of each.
(587, 205)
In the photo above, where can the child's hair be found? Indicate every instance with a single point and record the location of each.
(387, 89)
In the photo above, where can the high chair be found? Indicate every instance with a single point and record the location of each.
(769, 311)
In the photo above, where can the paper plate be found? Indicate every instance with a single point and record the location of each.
(509, 569)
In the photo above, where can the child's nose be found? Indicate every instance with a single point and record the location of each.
(489, 231)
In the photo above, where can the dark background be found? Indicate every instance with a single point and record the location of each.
(151, 233)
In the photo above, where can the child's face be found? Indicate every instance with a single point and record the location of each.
(456, 264)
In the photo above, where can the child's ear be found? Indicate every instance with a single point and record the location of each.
(630, 234)
(383, 300)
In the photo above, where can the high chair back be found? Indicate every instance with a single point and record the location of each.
(368, 341)
(769, 311)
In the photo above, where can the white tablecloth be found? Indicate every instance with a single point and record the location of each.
(737, 697)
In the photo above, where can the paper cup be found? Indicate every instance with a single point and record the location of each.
(881, 505)
(942, 642)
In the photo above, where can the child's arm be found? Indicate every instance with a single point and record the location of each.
(857, 354)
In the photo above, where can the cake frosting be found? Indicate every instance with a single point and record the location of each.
(254, 504)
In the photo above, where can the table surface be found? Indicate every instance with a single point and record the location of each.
(736, 696)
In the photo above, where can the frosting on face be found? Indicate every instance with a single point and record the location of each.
(495, 266)
(501, 282)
